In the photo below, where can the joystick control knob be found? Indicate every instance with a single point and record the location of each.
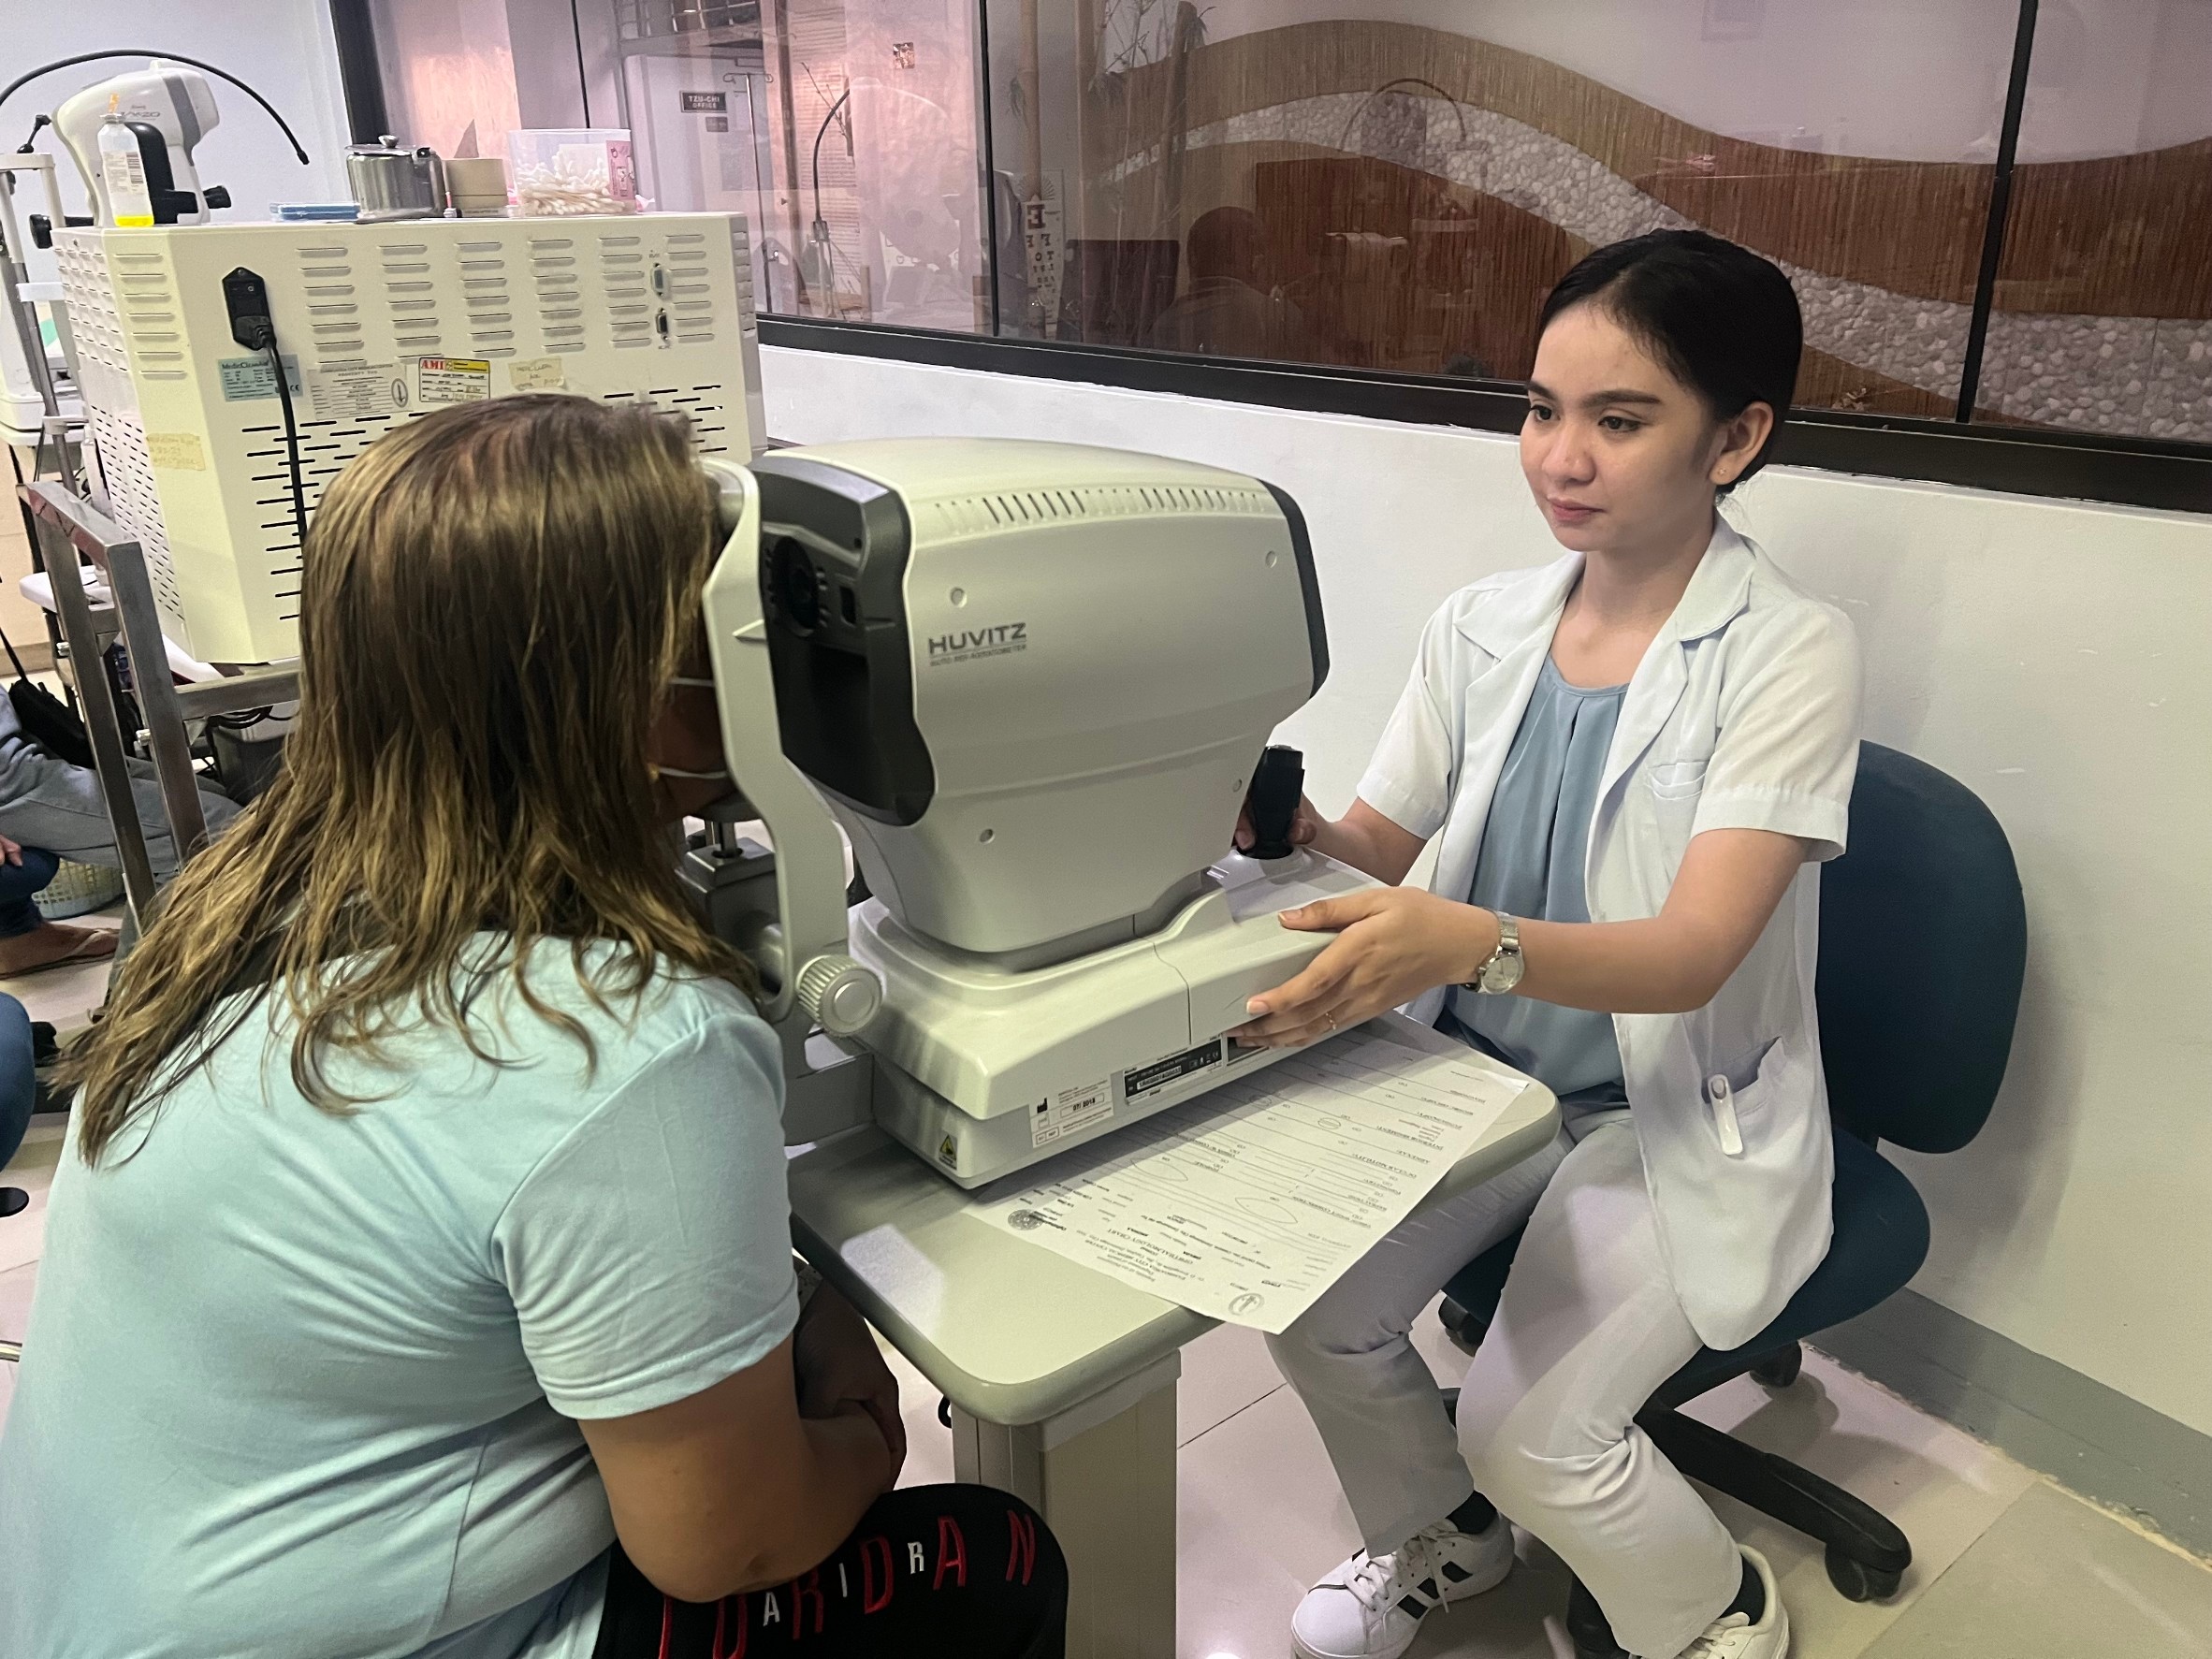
(1271, 802)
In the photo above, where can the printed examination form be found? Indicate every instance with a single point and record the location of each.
(1247, 1203)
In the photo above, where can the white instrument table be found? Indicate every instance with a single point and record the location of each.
(1062, 1381)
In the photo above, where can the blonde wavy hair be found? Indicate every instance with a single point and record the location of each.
(495, 600)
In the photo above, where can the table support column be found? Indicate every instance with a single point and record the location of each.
(1102, 1474)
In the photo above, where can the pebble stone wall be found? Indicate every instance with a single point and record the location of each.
(2142, 376)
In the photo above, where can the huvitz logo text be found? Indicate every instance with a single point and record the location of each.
(974, 644)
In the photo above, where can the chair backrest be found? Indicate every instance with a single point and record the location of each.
(1923, 946)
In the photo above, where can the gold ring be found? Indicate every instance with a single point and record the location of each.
(1329, 1019)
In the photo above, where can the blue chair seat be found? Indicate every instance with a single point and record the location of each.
(1881, 1239)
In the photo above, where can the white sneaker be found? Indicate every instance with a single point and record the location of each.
(1372, 1607)
(1734, 1636)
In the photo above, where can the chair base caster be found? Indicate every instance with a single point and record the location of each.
(1857, 1581)
(1779, 1370)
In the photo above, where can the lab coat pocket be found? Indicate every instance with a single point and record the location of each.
(1736, 1096)
(1677, 781)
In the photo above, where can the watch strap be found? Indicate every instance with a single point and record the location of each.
(1508, 945)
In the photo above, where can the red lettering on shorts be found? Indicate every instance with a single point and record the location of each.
(1020, 1547)
(873, 1600)
(722, 1619)
(800, 1592)
(952, 1553)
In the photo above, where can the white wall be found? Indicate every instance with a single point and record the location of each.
(283, 49)
(2050, 655)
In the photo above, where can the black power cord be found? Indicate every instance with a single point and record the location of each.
(254, 327)
(283, 384)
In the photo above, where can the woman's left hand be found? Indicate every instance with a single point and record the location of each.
(838, 1367)
(1392, 944)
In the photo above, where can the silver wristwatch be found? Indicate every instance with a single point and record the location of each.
(1502, 968)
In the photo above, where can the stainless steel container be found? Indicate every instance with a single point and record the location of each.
(390, 182)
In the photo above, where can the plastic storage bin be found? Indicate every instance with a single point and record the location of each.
(78, 888)
(558, 171)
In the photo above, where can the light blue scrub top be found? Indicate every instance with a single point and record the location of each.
(1531, 865)
(300, 1384)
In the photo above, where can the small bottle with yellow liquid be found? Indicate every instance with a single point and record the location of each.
(123, 169)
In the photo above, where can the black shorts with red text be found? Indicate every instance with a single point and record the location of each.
(930, 1570)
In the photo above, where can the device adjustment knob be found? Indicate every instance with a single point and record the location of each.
(841, 995)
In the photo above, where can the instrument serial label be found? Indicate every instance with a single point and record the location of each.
(1070, 1111)
(1148, 1080)
(360, 391)
(246, 379)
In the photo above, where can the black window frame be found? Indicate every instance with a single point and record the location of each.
(2017, 460)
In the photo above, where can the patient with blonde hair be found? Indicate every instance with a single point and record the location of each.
(419, 1276)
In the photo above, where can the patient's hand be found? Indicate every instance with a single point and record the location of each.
(839, 1368)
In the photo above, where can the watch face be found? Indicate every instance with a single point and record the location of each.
(1503, 973)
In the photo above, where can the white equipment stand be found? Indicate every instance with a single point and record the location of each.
(69, 528)
(1062, 1381)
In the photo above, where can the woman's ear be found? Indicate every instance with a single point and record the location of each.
(1741, 439)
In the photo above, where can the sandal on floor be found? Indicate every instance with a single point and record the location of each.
(94, 944)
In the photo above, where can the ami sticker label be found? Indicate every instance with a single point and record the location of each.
(452, 380)
(1070, 1111)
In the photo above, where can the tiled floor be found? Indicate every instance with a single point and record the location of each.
(63, 997)
(2006, 1565)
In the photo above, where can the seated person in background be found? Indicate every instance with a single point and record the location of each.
(50, 809)
(1234, 305)
(419, 1277)
(18, 1091)
(28, 941)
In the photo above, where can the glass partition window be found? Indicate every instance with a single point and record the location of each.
(847, 129)
(1394, 185)
(2103, 298)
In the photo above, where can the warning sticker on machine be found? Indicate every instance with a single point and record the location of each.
(353, 394)
(1139, 1081)
(1070, 1111)
(247, 378)
(452, 380)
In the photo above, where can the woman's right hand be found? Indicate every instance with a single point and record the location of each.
(1306, 824)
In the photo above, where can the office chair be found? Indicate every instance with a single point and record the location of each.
(1923, 945)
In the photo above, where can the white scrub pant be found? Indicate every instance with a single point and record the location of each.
(1588, 1327)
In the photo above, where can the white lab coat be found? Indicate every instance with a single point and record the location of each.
(1743, 714)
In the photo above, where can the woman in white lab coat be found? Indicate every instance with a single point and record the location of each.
(1636, 757)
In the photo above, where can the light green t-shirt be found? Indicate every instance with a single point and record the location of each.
(299, 1386)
